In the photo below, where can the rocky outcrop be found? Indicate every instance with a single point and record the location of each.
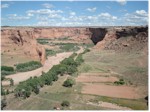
(114, 38)
(24, 40)
(78, 34)
(124, 38)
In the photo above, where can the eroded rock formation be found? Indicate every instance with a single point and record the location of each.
(113, 38)
(24, 40)
(124, 38)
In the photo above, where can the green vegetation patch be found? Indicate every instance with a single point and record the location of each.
(6, 70)
(67, 66)
(50, 52)
(136, 104)
(42, 41)
(65, 103)
(69, 82)
(69, 47)
(28, 66)
(120, 82)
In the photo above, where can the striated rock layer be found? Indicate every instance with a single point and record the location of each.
(124, 38)
(24, 40)
(115, 38)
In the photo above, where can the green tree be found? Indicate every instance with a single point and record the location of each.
(69, 83)
(65, 103)
(11, 82)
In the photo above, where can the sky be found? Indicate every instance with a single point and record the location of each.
(74, 13)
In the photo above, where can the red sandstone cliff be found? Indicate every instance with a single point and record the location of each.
(24, 40)
(115, 38)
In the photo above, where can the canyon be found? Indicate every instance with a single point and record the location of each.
(115, 53)
(116, 38)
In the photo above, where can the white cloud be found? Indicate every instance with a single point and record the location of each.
(54, 16)
(64, 19)
(91, 9)
(72, 13)
(141, 13)
(17, 17)
(4, 5)
(139, 17)
(42, 23)
(122, 2)
(107, 16)
(44, 11)
(47, 5)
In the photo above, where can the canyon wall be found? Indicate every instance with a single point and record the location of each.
(113, 38)
(24, 41)
(124, 38)
(78, 34)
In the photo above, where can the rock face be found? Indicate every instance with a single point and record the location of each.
(124, 38)
(113, 38)
(78, 34)
(24, 40)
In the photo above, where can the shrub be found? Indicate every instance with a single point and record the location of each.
(3, 103)
(79, 59)
(2, 91)
(3, 73)
(2, 77)
(65, 103)
(7, 68)
(68, 65)
(69, 83)
(50, 52)
(69, 47)
(28, 66)
(42, 41)
(120, 82)
(11, 82)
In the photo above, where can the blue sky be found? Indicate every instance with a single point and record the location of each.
(74, 13)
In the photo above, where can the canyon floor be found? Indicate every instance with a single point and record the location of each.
(94, 88)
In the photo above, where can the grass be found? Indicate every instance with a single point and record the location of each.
(51, 96)
(50, 52)
(6, 60)
(133, 104)
(43, 40)
(28, 66)
(125, 64)
(95, 61)
(69, 47)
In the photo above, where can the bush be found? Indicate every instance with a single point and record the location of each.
(3, 73)
(69, 83)
(69, 47)
(11, 82)
(7, 68)
(2, 78)
(50, 52)
(28, 66)
(120, 82)
(65, 103)
(42, 41)
(3, 103)
(79, 59)
(68, 65)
